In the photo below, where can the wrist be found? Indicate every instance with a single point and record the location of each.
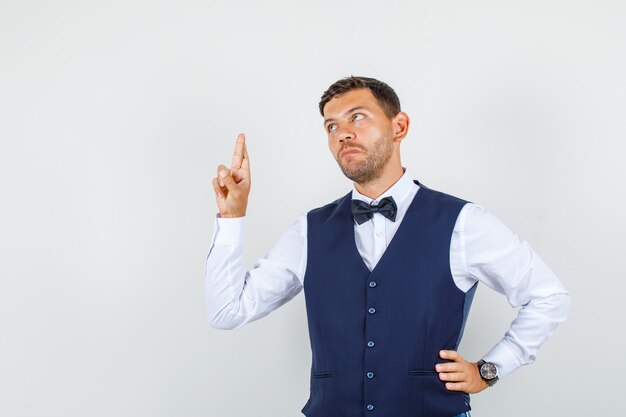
(229, 231)
(488, 372)
(231, 215)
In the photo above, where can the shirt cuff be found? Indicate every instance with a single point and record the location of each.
(228, 230)
(503, 357)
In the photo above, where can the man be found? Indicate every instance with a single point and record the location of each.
(389, 272)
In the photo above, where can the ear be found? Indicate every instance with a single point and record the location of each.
(400, 125)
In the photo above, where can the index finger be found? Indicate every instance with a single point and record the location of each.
(450, 354)
(239, 151)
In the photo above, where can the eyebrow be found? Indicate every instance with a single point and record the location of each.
(330, 119)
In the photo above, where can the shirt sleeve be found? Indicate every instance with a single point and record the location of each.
(235, 296)
(490, 253)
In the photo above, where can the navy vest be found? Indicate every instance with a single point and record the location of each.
(376, 336)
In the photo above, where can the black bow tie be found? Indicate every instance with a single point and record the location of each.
(362, 212)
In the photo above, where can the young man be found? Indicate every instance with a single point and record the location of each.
(389, 272)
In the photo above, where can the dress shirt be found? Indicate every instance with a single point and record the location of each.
(482, 249)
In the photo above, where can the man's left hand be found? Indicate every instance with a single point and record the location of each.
(459, 375)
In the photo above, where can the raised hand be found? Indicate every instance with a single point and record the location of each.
(232, 186)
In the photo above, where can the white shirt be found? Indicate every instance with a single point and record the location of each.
(482, 249)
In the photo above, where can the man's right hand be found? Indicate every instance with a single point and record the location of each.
(232, 186)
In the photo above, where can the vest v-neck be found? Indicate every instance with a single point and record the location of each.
(391, 245)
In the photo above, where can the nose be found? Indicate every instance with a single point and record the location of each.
(344, 134)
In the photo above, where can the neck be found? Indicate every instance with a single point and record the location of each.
(377, 186)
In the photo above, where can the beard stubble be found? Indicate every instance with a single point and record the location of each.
(371, 167)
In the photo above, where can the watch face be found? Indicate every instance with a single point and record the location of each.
(489, 370)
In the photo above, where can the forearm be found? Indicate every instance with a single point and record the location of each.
(225, 274)
(235, 296)
(535, 323)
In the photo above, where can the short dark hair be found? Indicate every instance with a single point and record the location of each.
(385, 96)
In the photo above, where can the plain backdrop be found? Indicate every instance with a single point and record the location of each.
(114, 116)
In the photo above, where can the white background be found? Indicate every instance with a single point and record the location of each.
(114, 116)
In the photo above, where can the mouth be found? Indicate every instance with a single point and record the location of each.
(348, 151)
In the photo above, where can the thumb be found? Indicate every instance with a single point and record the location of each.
(226, 178)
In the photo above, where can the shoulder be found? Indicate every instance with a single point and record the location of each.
(335, 209)
(442, 198)
(331, 205)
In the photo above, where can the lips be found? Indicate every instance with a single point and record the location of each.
(348, 151)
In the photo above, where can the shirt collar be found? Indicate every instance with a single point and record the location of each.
(400, 190)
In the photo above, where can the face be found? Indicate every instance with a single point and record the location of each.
(360, 135)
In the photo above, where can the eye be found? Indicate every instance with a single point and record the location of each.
(357, 116)
(331, 127)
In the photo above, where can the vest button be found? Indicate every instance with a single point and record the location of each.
(370, 375)
(370, 407)
(371, 310)
(372, 284)
(370, 344)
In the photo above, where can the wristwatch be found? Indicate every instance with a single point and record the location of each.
(488, 372)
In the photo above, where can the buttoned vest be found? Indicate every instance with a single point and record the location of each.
(376, 335)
